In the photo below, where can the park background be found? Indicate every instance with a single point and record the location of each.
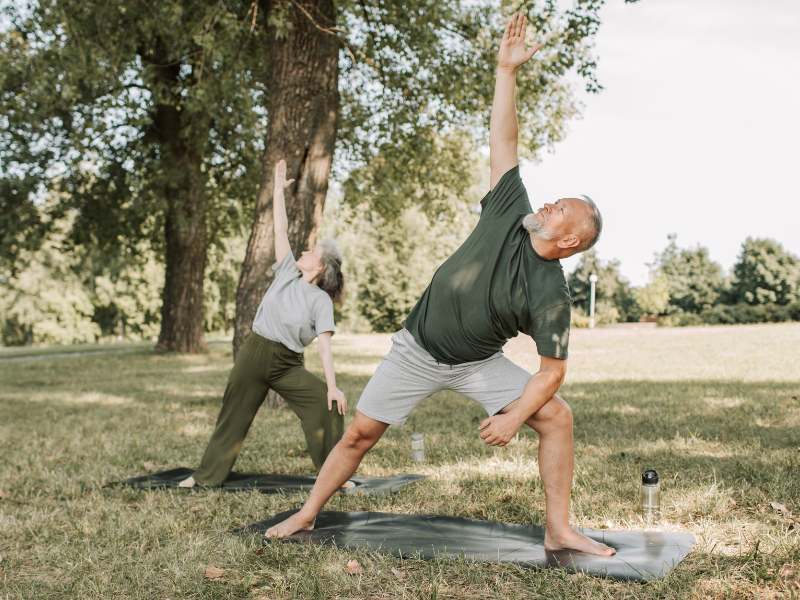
(688, 150)
(136, 149)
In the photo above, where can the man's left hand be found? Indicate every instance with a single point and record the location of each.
(499, 429)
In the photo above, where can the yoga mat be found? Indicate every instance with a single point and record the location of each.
(271, 483)
(640, 555)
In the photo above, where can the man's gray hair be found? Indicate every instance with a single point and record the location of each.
(592, 228)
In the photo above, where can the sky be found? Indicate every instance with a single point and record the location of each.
(696, 133)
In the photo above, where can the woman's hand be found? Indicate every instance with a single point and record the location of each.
(280, 176)
(336, 394)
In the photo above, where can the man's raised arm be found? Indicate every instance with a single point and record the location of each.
(503, 131)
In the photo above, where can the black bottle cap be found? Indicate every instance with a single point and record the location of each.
(650, 476)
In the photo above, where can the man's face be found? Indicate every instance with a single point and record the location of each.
(563, 217)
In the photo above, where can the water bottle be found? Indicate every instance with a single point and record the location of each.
(417, 448)
(650, 495)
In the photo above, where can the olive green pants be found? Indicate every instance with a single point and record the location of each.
(263, 364)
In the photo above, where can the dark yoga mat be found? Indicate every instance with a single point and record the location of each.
(640, 555)
(271, 483)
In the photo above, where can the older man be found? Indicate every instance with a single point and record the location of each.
(504, 279)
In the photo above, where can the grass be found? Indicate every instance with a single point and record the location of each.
(715, 410)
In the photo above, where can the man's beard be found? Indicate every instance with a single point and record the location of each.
(536, 228)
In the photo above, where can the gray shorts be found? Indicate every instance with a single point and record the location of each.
(408, 375)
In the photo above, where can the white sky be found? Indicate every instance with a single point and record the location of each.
(696, 132)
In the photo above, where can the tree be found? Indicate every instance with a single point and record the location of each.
(413, 72)
(614, 300)
(766, 273)
(145, 116)
(653, 299)
(693, 279)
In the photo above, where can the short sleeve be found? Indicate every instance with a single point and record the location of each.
(286, 269)
(551, 331)
(323, 314)
(508, 196)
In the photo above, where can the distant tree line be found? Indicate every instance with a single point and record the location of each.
(687, 288)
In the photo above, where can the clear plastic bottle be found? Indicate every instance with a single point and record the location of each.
(417, 448)
(650, 494)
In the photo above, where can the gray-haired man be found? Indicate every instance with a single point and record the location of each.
(504, 279)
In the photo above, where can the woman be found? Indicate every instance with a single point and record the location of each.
(297, 307)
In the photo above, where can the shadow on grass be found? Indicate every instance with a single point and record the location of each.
(710, 410)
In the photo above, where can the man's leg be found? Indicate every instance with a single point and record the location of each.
(362, 434)
(553, 423)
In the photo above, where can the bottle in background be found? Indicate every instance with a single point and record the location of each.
(650, 494)
(417, 448)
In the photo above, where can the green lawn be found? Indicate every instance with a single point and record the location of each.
(715, 410)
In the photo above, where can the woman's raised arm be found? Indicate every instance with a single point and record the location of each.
(281, 223)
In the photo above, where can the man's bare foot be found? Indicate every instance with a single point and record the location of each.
(291, 525)
(187, 483)
(570, 539)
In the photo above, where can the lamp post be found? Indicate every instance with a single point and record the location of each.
(592, 280)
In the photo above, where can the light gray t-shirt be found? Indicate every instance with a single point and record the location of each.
(293, 311)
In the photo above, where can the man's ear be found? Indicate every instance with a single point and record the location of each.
(569, 241)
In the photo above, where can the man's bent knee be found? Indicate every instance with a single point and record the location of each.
(555, 413)
(363, 433)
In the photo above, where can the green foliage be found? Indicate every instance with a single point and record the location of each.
(222, 277)
(65, 293)
(653, 299)
(85, 88)
(415, 71)
(389, 261)
(694, 280)
(736, 314)
(614, 300)
(45, 300)
(127, 295)
(765, 273)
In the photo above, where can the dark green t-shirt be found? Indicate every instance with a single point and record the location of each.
(494, 286)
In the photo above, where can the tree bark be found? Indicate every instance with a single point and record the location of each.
(184, 229)
(302, 114)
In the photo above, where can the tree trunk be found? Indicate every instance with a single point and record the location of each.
(185, 231)
(302, 114)
(182, 298)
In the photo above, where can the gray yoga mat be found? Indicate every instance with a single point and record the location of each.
(640, 555)
(272, 483)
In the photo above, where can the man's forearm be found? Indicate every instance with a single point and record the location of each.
(503, 124)
(538, 391)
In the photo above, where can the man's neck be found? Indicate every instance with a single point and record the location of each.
(545, 248)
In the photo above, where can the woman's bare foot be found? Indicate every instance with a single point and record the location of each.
(291, 525)
(569, 539)
(187, 483)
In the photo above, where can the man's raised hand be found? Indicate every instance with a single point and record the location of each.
(512, 47)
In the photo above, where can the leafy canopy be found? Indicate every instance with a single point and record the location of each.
(82, 84)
